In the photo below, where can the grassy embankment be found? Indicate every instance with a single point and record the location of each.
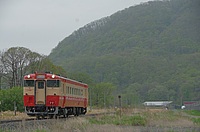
(195, 115)
(125, 120)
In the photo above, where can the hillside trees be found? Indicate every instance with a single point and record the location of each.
(154, 46)
(102, 94)
(1, 75)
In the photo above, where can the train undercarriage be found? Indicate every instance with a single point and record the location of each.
(42, 111)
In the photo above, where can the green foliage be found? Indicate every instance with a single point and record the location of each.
(168, 116)
(196, 120)
(150, 51)
(101, 94)
(136, 120)
(193, 112)
(9, 96)
(45, 65)
(82, 77)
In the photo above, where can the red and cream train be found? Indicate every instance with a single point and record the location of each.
(47, 94)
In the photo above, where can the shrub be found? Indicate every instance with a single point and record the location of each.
(117, 120)
(9, 96)
(196, 121)
(193, 112)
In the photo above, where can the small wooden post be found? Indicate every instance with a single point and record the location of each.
(120, 105)
(15, 108)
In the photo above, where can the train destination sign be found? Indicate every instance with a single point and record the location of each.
(40, 76)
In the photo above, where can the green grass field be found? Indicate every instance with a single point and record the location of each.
(193, 112)
(127, 120)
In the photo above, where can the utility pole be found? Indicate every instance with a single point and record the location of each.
(120, 106)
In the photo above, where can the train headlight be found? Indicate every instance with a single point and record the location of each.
(53, 76)
(28, 76)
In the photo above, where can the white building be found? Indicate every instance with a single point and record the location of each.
(157, 103)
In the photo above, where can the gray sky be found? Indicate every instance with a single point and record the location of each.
(40, 24)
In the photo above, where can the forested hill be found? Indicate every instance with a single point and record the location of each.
(150, 51)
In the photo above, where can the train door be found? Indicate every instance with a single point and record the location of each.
(40, 92)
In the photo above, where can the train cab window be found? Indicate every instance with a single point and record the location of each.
(28, 83)
(53, 83)
(40, 85)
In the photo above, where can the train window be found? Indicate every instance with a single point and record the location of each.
(53, 83)
(85, 93)
(63, 88)
(28, 83)
(40, 85)
(75, 91)
(81, 92)
(67, 90)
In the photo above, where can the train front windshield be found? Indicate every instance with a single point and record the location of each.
(53, 83)
(28, 83)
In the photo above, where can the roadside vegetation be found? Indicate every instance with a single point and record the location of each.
(132, 119)
(10, 96)
(147, 117)
(195, 116)
(193, 112)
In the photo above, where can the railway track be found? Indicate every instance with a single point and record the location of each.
(33, 123)
(34, 119)
(10, 121)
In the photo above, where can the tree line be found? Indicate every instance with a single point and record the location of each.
(18, 61)
(14, 64)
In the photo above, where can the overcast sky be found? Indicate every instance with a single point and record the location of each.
(40, 24)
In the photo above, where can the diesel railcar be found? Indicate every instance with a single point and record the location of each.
(47, 94)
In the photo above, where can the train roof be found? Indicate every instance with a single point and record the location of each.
(53, 76)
